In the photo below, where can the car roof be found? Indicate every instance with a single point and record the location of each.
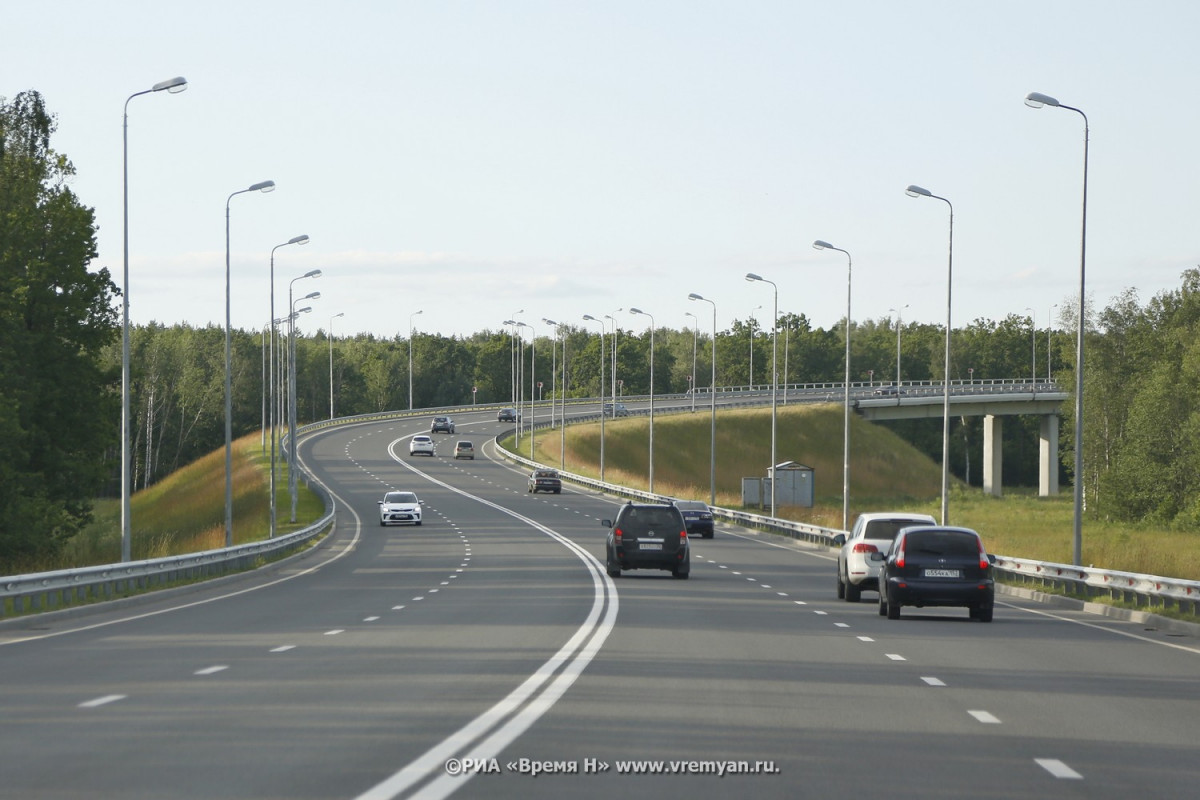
(691, 504)
(872, 515)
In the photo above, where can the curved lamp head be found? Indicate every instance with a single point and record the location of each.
(301, 239)
(694, 296)
(916, 191)
(314, 273)
(1037, 100)
(822, 245)
(174, 85)
(549, 321)
(750, 276)
(636, 311)
(311, 296)
(264, 186)
(590, 318)
(304, 310)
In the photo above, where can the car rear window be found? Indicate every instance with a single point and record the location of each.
(646, 520)
(886, 529)
(942, 543)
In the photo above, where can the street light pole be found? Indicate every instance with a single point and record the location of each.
(410, 362)
(301, 240)
(750, 276)
(750, 387)
(899, 325)
(917, 191)
(820, 245)
(646, 313)
(1037, 100)
(695, 340)
(712, 442)
(532, 385)
(173, 86)
(331, 319)
(291, 385)
(1049, 328)
(1032, 347)
(264, 186)
(603, 353)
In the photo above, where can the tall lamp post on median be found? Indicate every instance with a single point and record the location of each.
(822, 245)
(1049, 328)
(532, 385)
(1037, 100)
(562, 395)
(712, 442)
(301, 240)
(750, 276)
(603, 354)
(1032, 347)
(291, 384)
(263, 186)
(651, 470)
(916, 191)
(331, 319)
(173, 86)
(411, 317)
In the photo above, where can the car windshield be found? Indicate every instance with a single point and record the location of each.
(886, 529)
(942, 543)
(400, 497)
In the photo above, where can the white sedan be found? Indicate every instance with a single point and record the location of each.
(872, 533)
(399, 507)
(420, 444)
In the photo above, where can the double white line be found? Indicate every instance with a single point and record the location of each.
(488, 734)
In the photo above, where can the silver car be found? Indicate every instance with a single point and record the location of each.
(872, 533)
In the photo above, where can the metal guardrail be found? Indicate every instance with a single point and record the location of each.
(48, 591)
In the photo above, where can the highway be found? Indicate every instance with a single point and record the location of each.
(488, 642)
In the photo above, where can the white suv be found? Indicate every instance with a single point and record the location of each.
(872, 533)
(420, 444)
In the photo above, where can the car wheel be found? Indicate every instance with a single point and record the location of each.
(418, 522)
(853, 593)
(683, 576)
(883, 606)
(984, 614)
(709, 535)
(841, 587)
(558, 491)
(382, 524)
(893, 610)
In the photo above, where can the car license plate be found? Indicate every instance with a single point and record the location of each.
(650, 546)
(942, 573)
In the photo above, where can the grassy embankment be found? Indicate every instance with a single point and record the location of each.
(185, 512)
(886, 473)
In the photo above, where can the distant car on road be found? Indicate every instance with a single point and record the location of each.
(464, 449)
(420, 444)
(647, 536)
(934, 565)
(545, 480)
(697, 517)
(441, 425)
(507, 415)
(616, 410)
(889, 391)
(872, 532)
(397, 507)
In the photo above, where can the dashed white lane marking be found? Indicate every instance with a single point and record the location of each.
(102, 701)
(800, 602)
(415, 599)
(841, 625)
(985, 717)
(370, 619)
(397, 608)
(896, 657)
(865, 639)
(821, 613)
(213, 670)
(934, 681)
(1057, 768)
(283, 648)
(335, 631)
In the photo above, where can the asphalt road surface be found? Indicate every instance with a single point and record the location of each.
(486, 654)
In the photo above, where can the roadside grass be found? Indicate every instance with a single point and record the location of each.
(886, 473)
(185, 512)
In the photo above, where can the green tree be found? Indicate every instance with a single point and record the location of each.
(58, 409)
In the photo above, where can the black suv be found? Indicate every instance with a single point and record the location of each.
(931, 565)
(647, 536)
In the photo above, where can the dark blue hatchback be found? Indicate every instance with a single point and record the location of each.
(697, 516)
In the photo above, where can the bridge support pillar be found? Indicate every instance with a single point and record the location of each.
(1048, 460)
(993, 454)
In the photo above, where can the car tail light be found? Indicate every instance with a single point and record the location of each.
(863, 547)
(900, 554)
(683, 536)
(617, 535)
(983, 559)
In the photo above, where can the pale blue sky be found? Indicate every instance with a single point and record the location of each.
(473, 158)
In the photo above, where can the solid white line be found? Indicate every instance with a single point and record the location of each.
(1057, 768)
(102, 701)
(985, 717)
